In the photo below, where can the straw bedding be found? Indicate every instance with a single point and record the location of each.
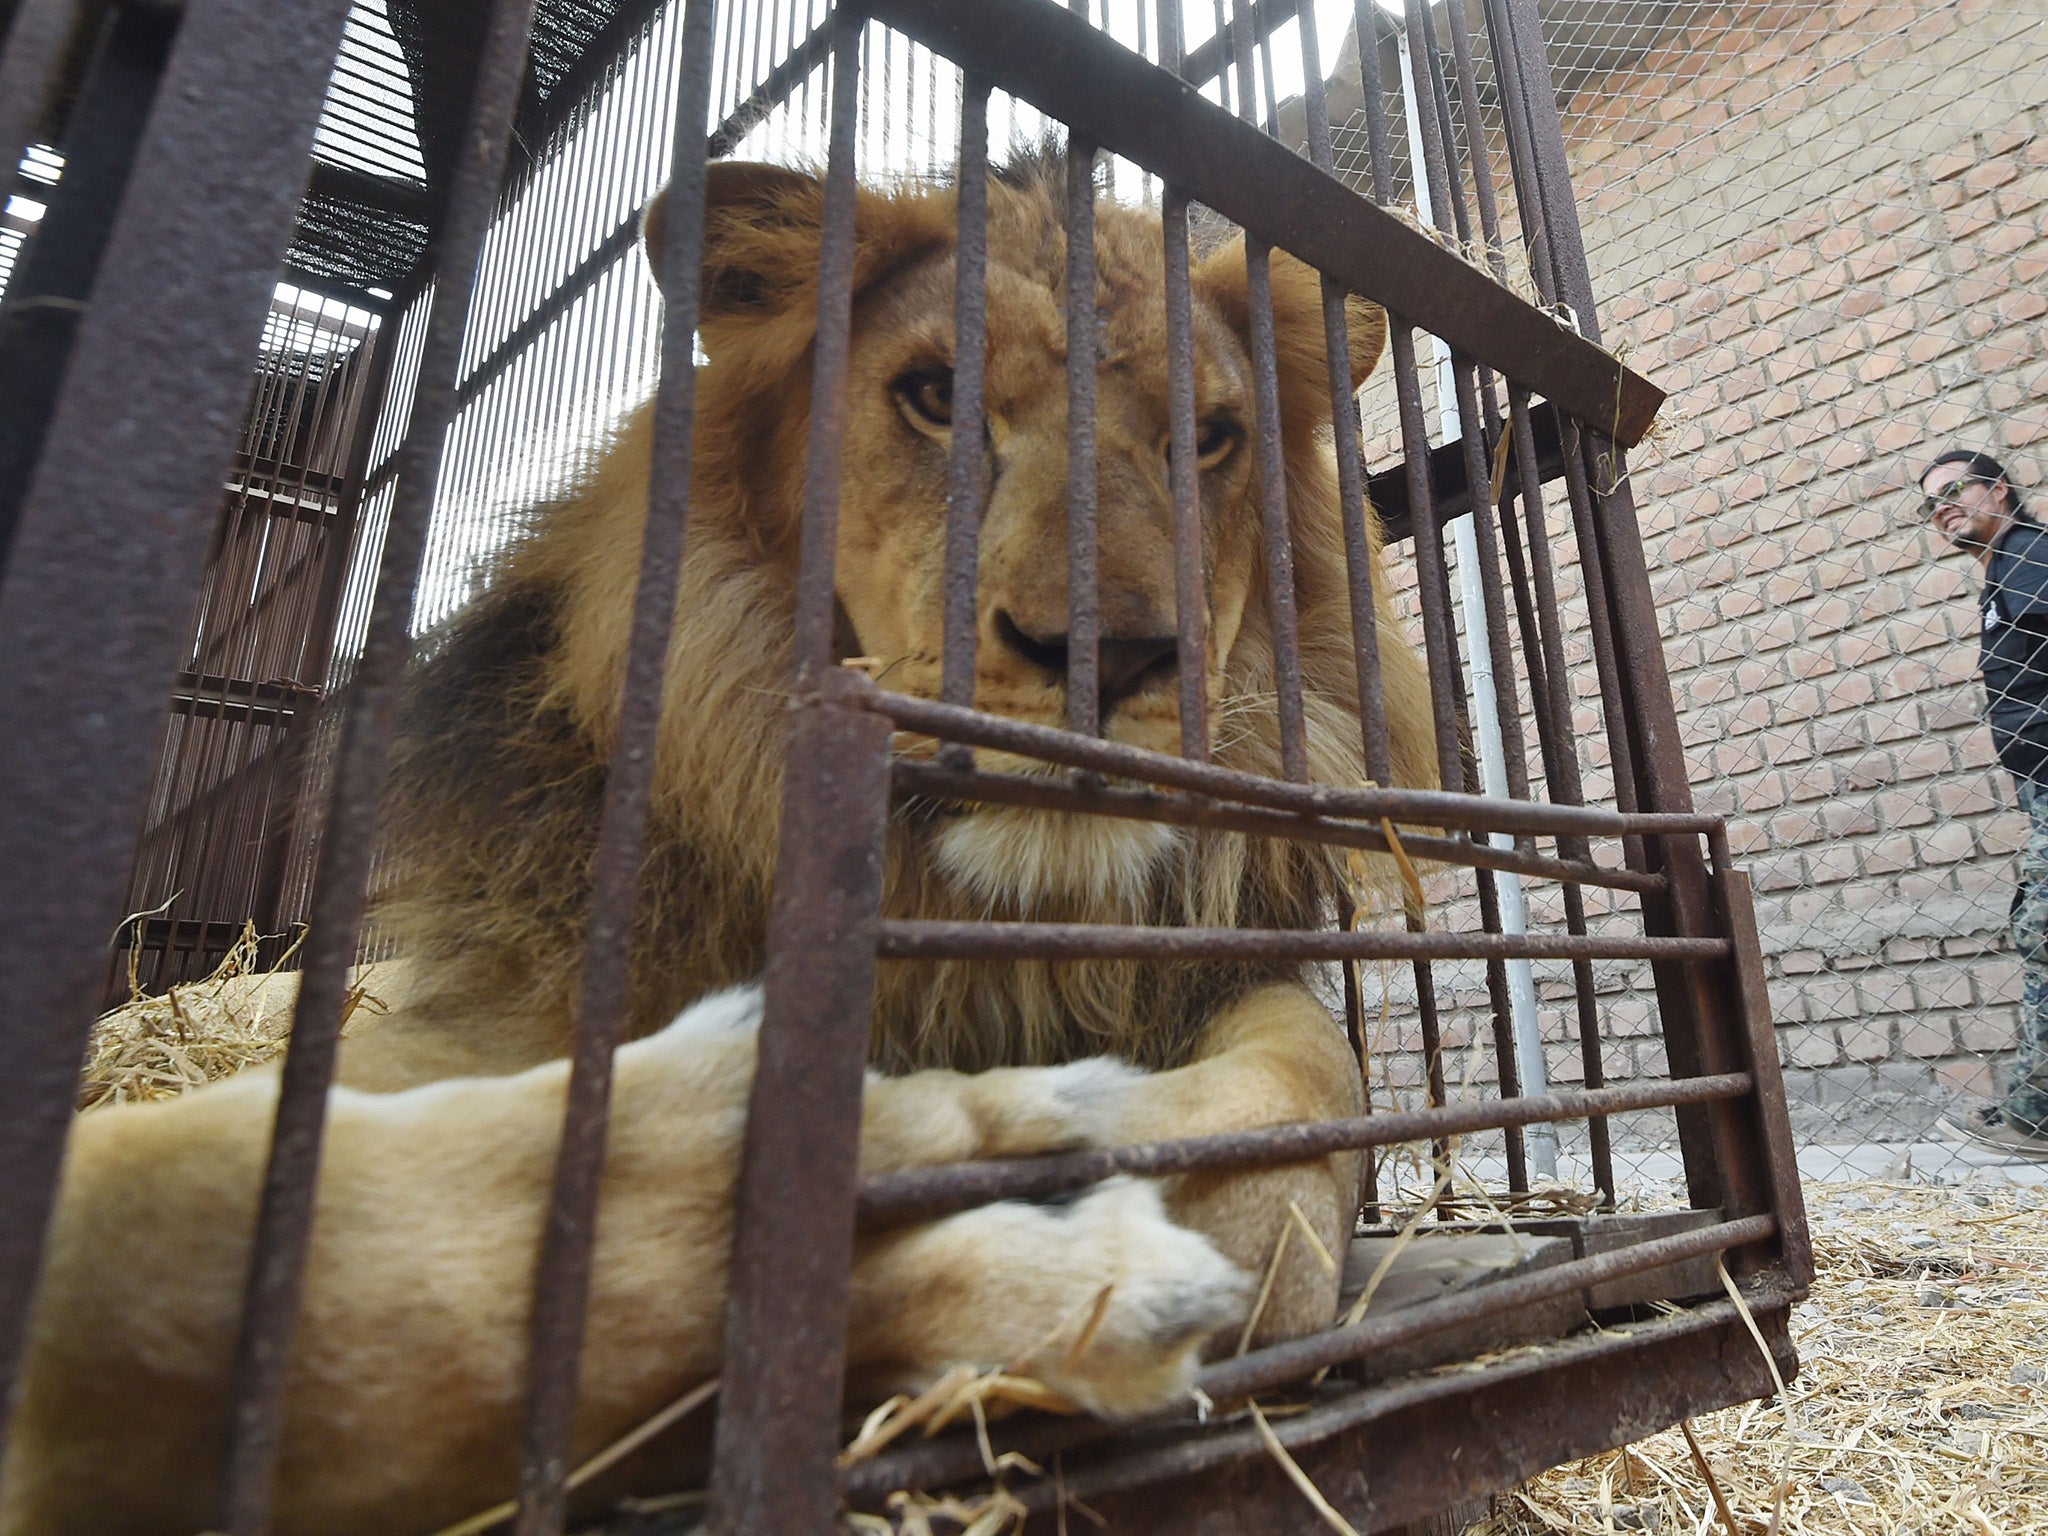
(1919, 1409)
(156, 1047)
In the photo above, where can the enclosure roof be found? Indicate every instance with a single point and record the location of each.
(393, 118)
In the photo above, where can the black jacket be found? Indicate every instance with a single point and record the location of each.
(2015, 654)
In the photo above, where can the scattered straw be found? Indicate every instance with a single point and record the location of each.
(1251, 1323)
(199, 1031)
(1315, 1243)
(1919, 1409)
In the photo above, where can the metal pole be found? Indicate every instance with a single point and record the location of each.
(1488, 745)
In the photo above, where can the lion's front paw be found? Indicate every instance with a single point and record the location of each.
(1103, 1299)
(1162, 1292)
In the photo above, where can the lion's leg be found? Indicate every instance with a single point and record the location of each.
(1273, 1057)
(410, 1368)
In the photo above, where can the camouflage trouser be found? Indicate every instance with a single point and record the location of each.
(2026, 1098)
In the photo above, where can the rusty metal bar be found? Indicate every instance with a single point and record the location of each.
(1431, 585)
(1351, 504)
(1412, 807)
(967, 454)
(1083, 640)
(773, 1471)
(285, 1216)
(923, 939)
(1272, 465)
(1297, 1358)
(1737, 911)
(824, 464)
(1050, 58)
(159, 364)
(1359, 1447)
(1037, 790)
(1183, 469)
(918, 1193)
(1551, 700)
(1722, 1166)
(46, 298)
(562, 1281)
(1191, 619)
(1280, 596)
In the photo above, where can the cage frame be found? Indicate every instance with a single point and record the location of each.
(211, 188)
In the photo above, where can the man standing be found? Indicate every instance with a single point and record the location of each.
(1973, 505)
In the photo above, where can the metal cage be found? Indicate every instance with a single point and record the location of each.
(129, 333)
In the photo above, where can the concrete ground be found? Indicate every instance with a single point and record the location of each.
(1930, 1160)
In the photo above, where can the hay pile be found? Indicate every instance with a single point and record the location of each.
(158, 1047)
(1920, 1407)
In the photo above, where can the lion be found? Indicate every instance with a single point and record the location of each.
(410, 1362)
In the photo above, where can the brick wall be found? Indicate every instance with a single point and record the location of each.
(1824, 229)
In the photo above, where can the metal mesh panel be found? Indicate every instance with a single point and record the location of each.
(1821, 229)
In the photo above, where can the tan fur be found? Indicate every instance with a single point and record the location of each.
(410, 1364)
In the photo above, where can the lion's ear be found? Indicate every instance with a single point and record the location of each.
(760, 236)
(1297, 313)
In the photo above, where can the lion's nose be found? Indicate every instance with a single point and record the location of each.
(1128, 662)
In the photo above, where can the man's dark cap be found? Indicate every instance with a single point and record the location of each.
(1982, 466)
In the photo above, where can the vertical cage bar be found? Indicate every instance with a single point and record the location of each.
(1350, 465)
(773, 1469)
(1379, 159)
(1365, 638)
(562, 1282)
(1084, 611)
(967, 456)
(1183, 473)
(818, 554)
(1272, 481)
(160, 367)
(1552, 700)
(1191, 627)
(45, 299)
(285, 1216)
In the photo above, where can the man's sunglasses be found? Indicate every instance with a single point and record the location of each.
(1949, 495)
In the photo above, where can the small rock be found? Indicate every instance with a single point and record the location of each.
(1973, 1411)
(2025, 1375)
(1930, 1297)
(1851, 1490)
(1969, 1441)
(1922, 1241)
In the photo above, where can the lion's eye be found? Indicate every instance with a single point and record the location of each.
(926, 397)
(1217, 439)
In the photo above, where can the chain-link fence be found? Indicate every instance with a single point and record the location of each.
(1822, 228)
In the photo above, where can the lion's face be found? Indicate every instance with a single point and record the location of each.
(893, 513)
(758, 311)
